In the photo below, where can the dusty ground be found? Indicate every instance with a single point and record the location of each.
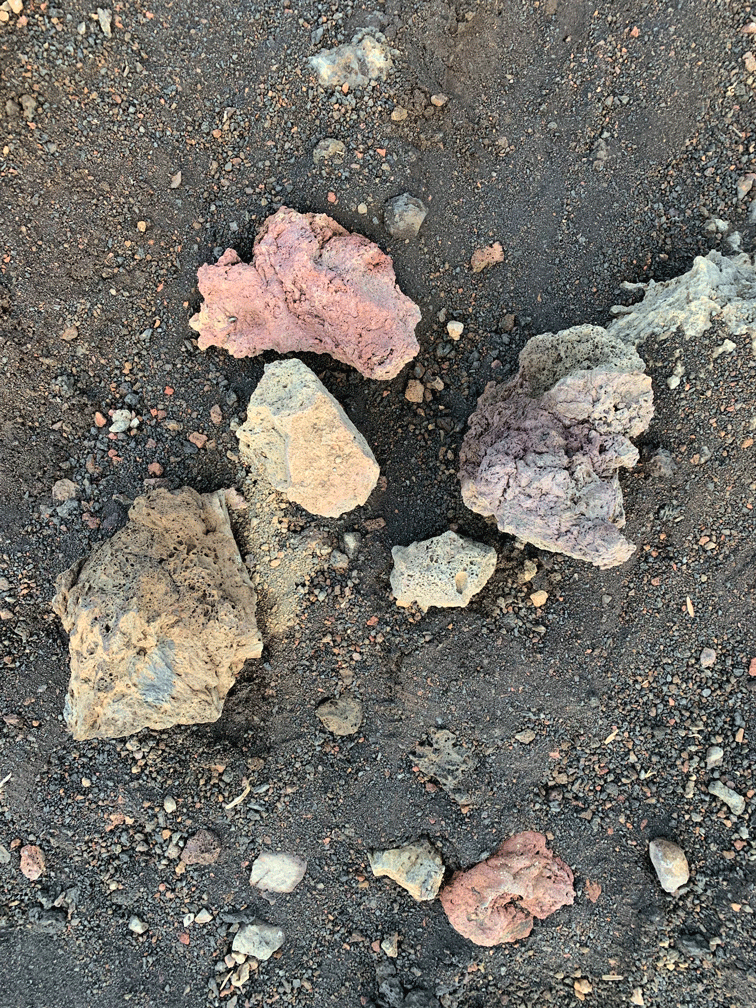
(607, 674)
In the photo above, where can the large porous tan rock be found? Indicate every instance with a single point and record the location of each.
(161, 619)
(495, 902)
(542, 451)
(416, 867)
(305, 443)
(311, 286)
(445, 571)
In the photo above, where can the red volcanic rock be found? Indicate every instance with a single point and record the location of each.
(495, 902)
(311, 286)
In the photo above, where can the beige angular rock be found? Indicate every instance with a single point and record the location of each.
(161, 619)
(342, 715)
(279, 873)
(670, 864)
(355, 64)
(542, 451)
(495, 902)
(311, 286)
(305, 443)
(444, 571)
(416, 867)
(259, 939)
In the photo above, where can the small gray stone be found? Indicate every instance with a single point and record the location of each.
(670, 864)
(4, 855)
(714, 756)
(260, 940)
(708, 657)
(329, 149)
(339, 561)
(404, 215)
(731, 798)
(661, 464)
(280, 873)
(342, 716)
(351, 541)
(64, 490)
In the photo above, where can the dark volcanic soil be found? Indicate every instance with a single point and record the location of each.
(598, 142)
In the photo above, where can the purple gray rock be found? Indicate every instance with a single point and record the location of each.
(404, 216)
(542, 451)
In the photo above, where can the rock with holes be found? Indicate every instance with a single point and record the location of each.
(161, 619)
(444, 571)
(542, 451)
(301, 438)
(495, 901)
(416, 867)
(311, 286)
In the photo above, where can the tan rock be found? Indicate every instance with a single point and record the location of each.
(32, 862)
(488, 256)
(416, 867)
(342, 716)
(311, 286)
(279, 873)
(305, 443)
(670, 864)
(444, 571)
(415, 391)
(495, 902)
(161, 619)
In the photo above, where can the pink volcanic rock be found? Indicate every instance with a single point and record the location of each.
(311, 286)
(495, 902)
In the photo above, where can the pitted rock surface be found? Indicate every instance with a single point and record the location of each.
(304, 442)
(542, 451)
(445, 571)
(311, 286)
(495, 901)
(161, 619)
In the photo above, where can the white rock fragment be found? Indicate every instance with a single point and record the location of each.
(416, 867)
(732, 799)
(304, 442)
(366, 58)
(203, 917)
(64, 490)
(670, 864)
(106, 19)
(708, 657)
(137, 926)
(444, 571)
(455, 329)
(279, 873)
(329, 149)
(714, 756)
(260, 940)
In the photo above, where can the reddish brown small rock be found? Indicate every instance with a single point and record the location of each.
(32, 862)
(311, 286)
(202, 848)
(495, 902)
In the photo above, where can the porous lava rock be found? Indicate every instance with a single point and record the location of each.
(542, 451)
(304, 442)
(445, 571)
(495, 902)
(366, 58)
(160, 618)
(416, 867)
(311, 286)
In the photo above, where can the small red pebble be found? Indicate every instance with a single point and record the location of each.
(32, 862)
(184, 938)
(331, 197)
(198, 439)
(155, 469)
(752, 667)
(100, 420)
(168, 390)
